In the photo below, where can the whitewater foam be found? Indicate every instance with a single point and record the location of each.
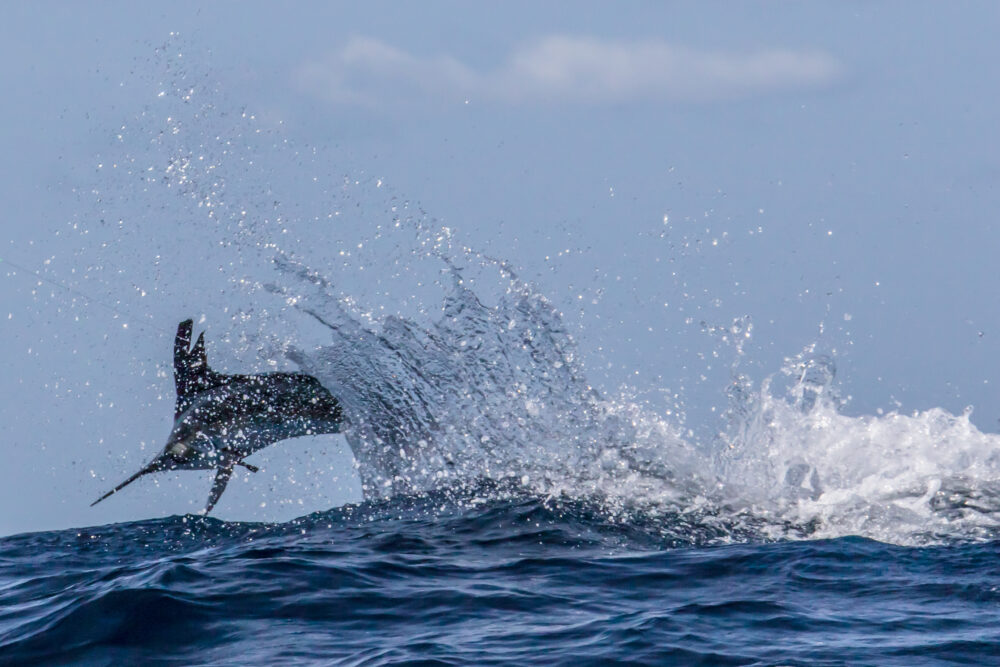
(495, 392)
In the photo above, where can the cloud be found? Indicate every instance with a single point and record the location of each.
(562, 69)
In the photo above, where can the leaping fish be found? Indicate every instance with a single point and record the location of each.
(221, 419)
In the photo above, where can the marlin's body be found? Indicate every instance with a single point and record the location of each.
(221, 419)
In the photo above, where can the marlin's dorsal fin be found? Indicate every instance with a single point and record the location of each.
(191, 372)
(190, 365)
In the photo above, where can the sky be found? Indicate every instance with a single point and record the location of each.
(827, 170)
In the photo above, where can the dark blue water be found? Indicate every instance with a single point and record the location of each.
(491, 578)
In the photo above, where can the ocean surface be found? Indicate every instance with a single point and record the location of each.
(513, 514)
(494, 575)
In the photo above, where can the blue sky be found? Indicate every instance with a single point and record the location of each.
(659, 169)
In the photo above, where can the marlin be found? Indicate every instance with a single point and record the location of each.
(219, 419)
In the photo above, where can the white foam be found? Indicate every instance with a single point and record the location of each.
(470, 397)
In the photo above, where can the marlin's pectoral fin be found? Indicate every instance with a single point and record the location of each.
(221, 479)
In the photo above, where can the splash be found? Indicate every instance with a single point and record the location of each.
(895, 477)
(497, 393)
(470, 374)
(485, 392)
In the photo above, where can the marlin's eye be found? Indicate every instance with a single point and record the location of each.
(191, 448)
(180, 451)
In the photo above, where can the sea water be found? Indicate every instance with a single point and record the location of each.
(513, 512)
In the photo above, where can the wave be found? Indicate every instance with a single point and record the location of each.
(151, 588)
(435, 571)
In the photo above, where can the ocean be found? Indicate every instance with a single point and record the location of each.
(518, 508)
(513, 514)
(494, 575)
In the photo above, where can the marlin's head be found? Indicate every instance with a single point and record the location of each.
(185, 450)
(188, 449)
